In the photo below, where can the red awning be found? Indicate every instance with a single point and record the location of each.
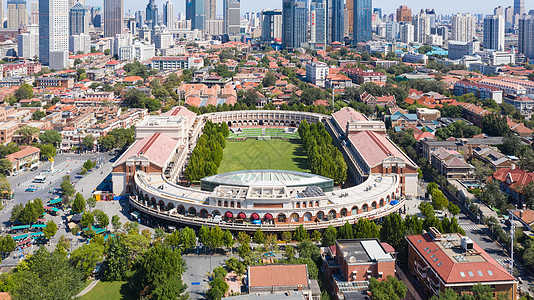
(254, 216)
(241, 215)
(268, 217)
(228, 214)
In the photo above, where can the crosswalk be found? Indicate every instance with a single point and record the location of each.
(469, 227)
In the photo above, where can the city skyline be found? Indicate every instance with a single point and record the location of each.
(388, 7)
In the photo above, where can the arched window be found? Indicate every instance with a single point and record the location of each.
(297, 205)
(365, 208)
(307, 217)
(381, 202)
(331, 214)
(281, 218)
(215, 213)
(203, 213)
(320, 216)
(343, 212)
(181, 209)
(373, 205)
(294, 217)
(192, 211)
(354, 210)
(170, 206)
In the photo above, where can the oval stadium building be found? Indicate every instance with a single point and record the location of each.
(273, 200)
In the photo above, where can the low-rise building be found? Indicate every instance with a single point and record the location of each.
(481, 91)
(25, 158)
(316, 73)
(360, 76)
(452, 261)
(492, 157)
(450, 163)
(54, 82)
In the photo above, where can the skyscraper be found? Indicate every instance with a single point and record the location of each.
(318, 23)
(113, 14)
(1, 13)
(17, 13)
(294, 23)
(196, 13)
(53, 33)
(494, 32)
(404, 14)
(463, 27)
(232, 17)
(152, 14)
(271, 25)
(526, 35)
(34, 12)
(336, 20)
(407, 33)
(211, 9)
(508, 17)
(362, 26)
(350, 16)
(78, 19)
(499, 10)
(519, 7)
(168, 14)
(421, 24)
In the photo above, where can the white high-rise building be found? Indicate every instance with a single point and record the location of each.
(509, 16)
(28, 45)
(463, 27)
(80, 43)
(137, 51)
(526, 35)
(392, 31)
(17, 13)
(168, 14)
(494, 32)
(53, 32)
(421, 23)
(407, 33)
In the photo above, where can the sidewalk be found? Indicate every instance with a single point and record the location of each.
(88, 288)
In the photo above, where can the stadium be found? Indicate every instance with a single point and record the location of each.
(273, 200)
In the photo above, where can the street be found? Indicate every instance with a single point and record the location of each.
(196, 274)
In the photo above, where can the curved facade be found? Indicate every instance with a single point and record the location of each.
(272, 207)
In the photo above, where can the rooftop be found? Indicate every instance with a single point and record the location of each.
(157, 148)
(362, 251)
(278, 275)
(267, 177)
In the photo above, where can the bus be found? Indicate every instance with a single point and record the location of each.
(39, 179)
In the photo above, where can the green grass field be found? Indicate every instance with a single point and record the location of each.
(273, 154)
(116, 290)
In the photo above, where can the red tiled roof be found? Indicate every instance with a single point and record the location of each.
(278, 275)
(156, 147)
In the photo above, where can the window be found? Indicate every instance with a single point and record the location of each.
(490, 273)
(470, 274)
(480, 273)
(462, 274)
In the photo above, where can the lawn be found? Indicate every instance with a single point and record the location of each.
(116, 290)
(274, 154)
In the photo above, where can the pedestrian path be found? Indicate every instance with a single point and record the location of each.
(469, 227)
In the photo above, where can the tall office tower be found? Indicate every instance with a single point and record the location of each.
(335, 20)
(232, 17)
(404, 14)
(168, 14)
(73, 2)
(17, 13)
(294, 23)
(211, 9)
(526, 35)
(508, 17)
(349, 17)
(28, 45)
(96, 16)
(431, 13)
(519, 7)
(78, 19)
(407, 33)
(1, 13)
(421, 23)
(463, 27)
(494, 32)
(197, 13)
(499, 10)
(54, 33)
(362, 26)
(140, 18)
(318, 23)
(113, 14)
(34, 13)
(271, 25)
(152, 14)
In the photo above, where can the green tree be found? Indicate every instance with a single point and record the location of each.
(101, 218)
(391, 288)
(50, 137)
(289, 253)
(5, 166)
(86, 257)
(454, 209)
(329, 236)
(269, 79)
(78, 206)
(271, 242)
(87, 219)
(47, 151)
(7, 244)
(50, 230)
(259, 236)
(67, 189)
(366, 228)
(286, 236)
(301, 234)
(116, 263)
(228, 239)
(28, 133)
(116, 222)
(307, 249)
(25, 91)
(88, 142)
(345, 231)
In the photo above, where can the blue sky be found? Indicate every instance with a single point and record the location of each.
(388, 6)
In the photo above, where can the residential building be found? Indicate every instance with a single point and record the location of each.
(404, 14)
(176, 62)
(17, 14)
(407, 33)
(7, 130)
(494, 32)
(458, 50)
(421, 23)
(271, 25)
(392, 31)
(466, 146)
(360, 76)
(137, 51)
(28, 45)
(232, 17)
(349, 264)
(67, 83)
(507, 87)
(113, 17)
(79, 19)
(451, 164)
(481, 91)
(316, 73)
(280, 279)
(80, 43)
(526, 35)
(53, 32)
(294, 23)
(524, 103)
(492, 157)
(452, 261)
(463, 27)
(362, 19)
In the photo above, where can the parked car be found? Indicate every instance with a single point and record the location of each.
(34, 168)
(31, 188)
